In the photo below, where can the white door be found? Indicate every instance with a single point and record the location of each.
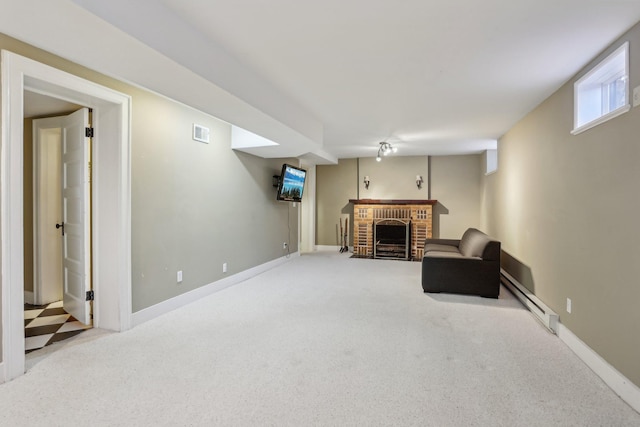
(75, 215)
(47, 212)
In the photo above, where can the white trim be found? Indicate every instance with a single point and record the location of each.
(28, 297)
(491, 161)
(603, 64)
(11, 208)
(2, 373)
(176, 302)
(620, 384)
(111, 203)
(605, 118)
(327, 248)
(307, 227)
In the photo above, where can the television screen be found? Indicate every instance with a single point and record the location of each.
(291, 183)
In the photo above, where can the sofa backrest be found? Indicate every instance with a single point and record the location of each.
(474, 243)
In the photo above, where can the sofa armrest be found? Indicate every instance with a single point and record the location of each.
(448, 242)
(491, 251)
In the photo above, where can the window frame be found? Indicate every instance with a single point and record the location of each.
(602, 81)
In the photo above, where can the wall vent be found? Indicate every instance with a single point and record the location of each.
(200, 133)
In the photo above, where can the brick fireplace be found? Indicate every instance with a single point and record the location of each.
(391, 229)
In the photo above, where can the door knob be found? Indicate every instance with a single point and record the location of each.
(61, 226)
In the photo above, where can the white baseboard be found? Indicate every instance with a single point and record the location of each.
(29, 298)
(327, 248)
(159, 309)
(330, 248)
(620, 384)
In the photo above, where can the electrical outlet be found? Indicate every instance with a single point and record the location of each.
(179, 278)
(636, 96)
(569, 305)
(224, 267)
(284, 245)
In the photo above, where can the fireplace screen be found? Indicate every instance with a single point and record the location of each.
(391, 239)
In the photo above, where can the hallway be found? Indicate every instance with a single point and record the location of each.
(47, 324)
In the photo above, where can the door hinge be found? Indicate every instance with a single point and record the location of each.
(88, 132)
(90, 296)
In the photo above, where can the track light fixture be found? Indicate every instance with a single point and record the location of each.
(385, 149)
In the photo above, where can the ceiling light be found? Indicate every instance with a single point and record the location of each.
(385, 149)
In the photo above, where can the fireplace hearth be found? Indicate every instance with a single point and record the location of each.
(392, 239)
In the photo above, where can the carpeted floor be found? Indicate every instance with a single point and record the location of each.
(321, 340)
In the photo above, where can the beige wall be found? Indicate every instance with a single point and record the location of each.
(194, 205)
(455, 184)
(394, 177)
(453, 180)
(566, 210)
(335, 185)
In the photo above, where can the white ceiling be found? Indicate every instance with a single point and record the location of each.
(434, 76)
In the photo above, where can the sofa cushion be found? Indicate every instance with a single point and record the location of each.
(437, 247)
(444, 254)
(473, 243)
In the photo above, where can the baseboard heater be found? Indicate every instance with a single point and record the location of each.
(547, 317)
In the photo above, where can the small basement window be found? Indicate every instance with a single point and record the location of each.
(602, 93)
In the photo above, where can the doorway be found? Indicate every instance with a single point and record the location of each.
(56, 262)
(111, 204)
(62, 211)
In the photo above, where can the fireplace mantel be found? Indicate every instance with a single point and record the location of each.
(391, 202)
(368, 212)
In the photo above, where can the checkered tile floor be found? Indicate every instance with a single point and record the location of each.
(46, 324)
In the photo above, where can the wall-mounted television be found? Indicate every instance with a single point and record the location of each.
(291, 183)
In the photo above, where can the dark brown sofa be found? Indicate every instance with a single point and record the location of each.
(470, 265)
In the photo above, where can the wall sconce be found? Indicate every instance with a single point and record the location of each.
(419, 181)
(366, 182)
